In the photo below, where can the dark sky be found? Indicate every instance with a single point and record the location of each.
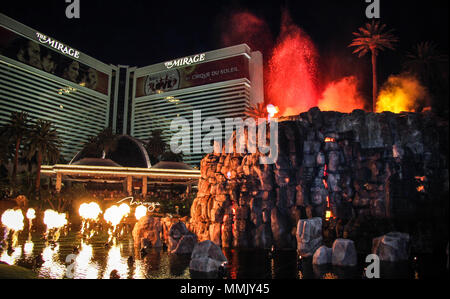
(140, 33)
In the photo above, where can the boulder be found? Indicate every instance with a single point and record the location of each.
(309, 236)
(344, 253)
(206, 257)
(176, 232)
(322, 256)
(185, 245)
(392, 247)
(148, 228)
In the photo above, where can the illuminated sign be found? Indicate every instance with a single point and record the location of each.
(185, 61)
(57, 45)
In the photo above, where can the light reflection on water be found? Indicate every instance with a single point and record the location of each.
(93, 259)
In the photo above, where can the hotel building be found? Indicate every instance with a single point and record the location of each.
(81, 95)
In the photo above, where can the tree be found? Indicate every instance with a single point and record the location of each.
(100, 145)
(156, 146)
(45, 144)
(430, 67)
(256, 112)
(17, 130)
(373, 38)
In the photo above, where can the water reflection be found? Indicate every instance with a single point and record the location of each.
(52, 266)
(115, 261)
(85, 267)
(96, 259)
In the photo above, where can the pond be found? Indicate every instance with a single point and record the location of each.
(96, 260)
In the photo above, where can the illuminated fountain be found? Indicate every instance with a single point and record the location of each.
(140, 212)
(114, 215)
(55, 223)
(13, 220)
(89, 212)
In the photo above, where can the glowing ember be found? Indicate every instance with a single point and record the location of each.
(402, 94)
(421, 178)
(54, 219)
(140, 212)
(292, 73)
(342, 96)
(328, 215)
(421, 189)
(13, 219)
(330, 139)
(272, 110)
(89, 211)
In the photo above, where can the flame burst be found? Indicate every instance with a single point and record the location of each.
(140, 212)
(54, 220)
(89, 211)
(342, 96)
(402, 93)
(13, 220)
(292, 73)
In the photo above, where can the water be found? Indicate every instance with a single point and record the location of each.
(96, 261)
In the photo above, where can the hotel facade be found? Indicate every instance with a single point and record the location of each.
(81, 95)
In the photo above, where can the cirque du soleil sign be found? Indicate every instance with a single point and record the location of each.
(43, 39)
(185, 61)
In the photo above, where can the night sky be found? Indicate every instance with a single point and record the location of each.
(140, 33)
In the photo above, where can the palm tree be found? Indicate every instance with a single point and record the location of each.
(425, 61)
(106, 141)
(156, 146)
(256, 112)
(100, 145)
(17, 129)
(373, 38)
(45, 144)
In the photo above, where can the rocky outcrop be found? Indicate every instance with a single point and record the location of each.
(186, 244)
(356, 165)
(147, 231)
(392, 247)
(309, 236)
(344, 253)
(322, 256)
(180, 239)
(206, 257)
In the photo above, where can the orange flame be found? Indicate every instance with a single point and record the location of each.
(402, 93)
(272, 110)
(342, 96)
(330, 139)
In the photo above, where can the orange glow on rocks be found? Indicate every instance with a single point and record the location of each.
(292, 72)
(342, 96)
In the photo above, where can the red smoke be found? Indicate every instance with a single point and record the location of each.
(244, 27)
(292, 74)
(342, 96)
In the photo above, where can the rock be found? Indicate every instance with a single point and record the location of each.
(206, 257)
(344, 253)
(176, 232)
(185, 245)
(147, 228)
(322, 256)
(309, 236)
(392, 247)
